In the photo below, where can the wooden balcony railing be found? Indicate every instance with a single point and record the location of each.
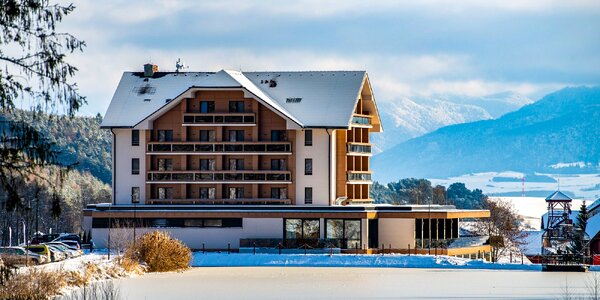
(221, 176)
(359, 149)
(240, 201)
(359, 176)
(219, 119)
(249, 148)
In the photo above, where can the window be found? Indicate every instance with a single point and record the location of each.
(236, 164)
(165, 193)
(135, 166)
(135, 137)
(308, 166)
(278, 135)
(236, 135)
(308, 195)
(207, 135)
(302, 229)
(278, 164)
(236, 193)
(135, 194)
(279, 193)
(165, 135)
(207, 164)
(207, 193)
(236, 106)
(308, 137)
(207, 106)
(344, 233)
(165, 164)
(213, 223)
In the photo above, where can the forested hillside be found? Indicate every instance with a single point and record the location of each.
(79, 139)
(559, 129)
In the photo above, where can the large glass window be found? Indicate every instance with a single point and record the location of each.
(236, 106)
(236, 164)
(135, 137)
(207, 164)
(279, 193)
(308, 166)
(165, 135)
(207, 193)
(207, 106)
(308, 138)
(135, 166)
(165, 164)
(236, 135)
(343, 233)
(135, 194)
(278, 135)
(207, 135)
(307, 229)
(278, 164)
(236, 193)
(165, 193)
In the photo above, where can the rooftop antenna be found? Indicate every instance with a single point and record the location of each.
(179, 65)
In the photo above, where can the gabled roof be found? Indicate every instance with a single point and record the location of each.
(309, 99)
(558, 196)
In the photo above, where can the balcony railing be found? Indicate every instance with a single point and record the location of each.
(240, 201)
(284, 148)
(359, 149)
(219, 119)
(361, 120)
(359, 176)
(225, 176)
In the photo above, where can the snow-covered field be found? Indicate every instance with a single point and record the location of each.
(583, 186)
(352, 283)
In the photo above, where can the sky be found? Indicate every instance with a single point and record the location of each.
(409, 48)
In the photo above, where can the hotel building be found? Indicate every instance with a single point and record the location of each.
(235, 159)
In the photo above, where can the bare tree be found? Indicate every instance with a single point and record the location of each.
(503, 228)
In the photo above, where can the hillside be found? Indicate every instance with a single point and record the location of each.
(79, 139)
(561, 128)
(406, 118)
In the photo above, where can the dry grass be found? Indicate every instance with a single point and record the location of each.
(159, 252)
(34, 284)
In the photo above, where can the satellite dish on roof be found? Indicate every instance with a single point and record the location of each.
(179, 65)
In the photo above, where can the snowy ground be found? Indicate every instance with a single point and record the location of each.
(584, 186)
(353, 283)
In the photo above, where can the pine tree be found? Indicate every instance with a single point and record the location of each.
(579, 240)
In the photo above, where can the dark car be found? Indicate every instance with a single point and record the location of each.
(68, 237)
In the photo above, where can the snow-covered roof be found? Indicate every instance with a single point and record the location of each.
(594, 205)
(558, 196)
(532, 243)
(319, 99)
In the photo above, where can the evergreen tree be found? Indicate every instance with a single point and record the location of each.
(579, 239)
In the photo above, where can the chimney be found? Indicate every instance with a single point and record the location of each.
(150, 69)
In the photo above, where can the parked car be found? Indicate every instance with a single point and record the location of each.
(56, 253)
(71, 253)
(40, 239)
(68, 237)
(72, 244)
(19, 255)
(41, 250)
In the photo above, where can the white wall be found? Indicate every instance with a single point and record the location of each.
(397, 232)
(319, 180)
(122, 166)
(333, 156)
(213, 238)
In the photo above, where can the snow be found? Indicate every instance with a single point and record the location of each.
(583, 186)
(349, 260)
(579, 164)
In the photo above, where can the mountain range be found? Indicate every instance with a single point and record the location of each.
(560, 128)
(406, 118)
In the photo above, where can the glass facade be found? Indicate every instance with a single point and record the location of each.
(344, 233)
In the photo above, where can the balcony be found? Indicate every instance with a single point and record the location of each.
(240, 201)
(363, 121)
(225, 176)
(359, 149)
(229, 148)
(219, 119)
(359, 177)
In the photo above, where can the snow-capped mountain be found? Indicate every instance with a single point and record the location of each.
(406, 118)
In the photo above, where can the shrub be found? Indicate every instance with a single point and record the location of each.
(160, 252)
(32, 284)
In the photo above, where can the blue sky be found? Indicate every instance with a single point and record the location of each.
(409, 48)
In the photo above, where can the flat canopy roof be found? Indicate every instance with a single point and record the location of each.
(257, 211)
